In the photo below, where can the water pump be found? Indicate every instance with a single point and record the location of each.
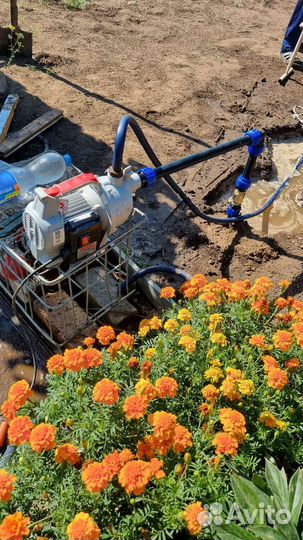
(73, 219)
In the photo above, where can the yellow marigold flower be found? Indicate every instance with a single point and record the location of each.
(216, 362)
(83, 527)
(281, 425)
(189, 343)
(233, 422)
(229, 389)
(277, 378)
(225, 444)
(246, 387)
(219, 339)
(106, 392)
(215, 320)
(284, 284)
(7, 483)
(214, 374)
(67, 453)
(150, 353)
(268, 419)
(196, 516)
(43, 437)
(185, 330)
(184, 315)
(146, 389)
(135, 407)
(155, 323)
(144, 329)
(56, 364)
(19, 393)
(282, 340)
(166, 387)
(210, 393)
(171, 325)
(14, 527)
(168, 292)
(235, 374)
(258, 340)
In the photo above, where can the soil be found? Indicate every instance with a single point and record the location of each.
(194, 74)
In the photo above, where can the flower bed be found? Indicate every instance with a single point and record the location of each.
(139, 434)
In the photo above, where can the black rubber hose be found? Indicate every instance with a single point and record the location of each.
(156, 269)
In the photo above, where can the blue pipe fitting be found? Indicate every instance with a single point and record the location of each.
(232, 211)
(256, 151)
(242, 183)
(257, 137)
(150, 175)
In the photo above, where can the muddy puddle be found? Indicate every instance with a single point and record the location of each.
(287, 212)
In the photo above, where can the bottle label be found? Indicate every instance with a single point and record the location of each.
(9, 192)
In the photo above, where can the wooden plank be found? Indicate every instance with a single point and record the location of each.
(24, 135)
(7, 113)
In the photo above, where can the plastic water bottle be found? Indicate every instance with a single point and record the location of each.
(17, 183)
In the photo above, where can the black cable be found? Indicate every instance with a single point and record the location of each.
(156, 269)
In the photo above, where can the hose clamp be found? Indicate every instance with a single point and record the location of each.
(149, 174)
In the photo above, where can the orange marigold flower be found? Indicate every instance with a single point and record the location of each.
(155, 323)
(269, 362)
(135, 407)
(258, 340)
(166, 387)
(196, 517)
(164, 425)
(214, 374)
(235, 374)
(105, 335)
(184, 315)
(19, 430)
(135, 476)
(146, 368)
(282, 340)
(260, 306)
(9, 410)
(189, 344)
(225, 444)
(133, 362)
(96, 477)
(156, 468)
(261, 287)
(146, 448)
(210, 393)
(293, 364)
(125, 341)
(92, 358)
(185, 330)
(168, 292)
(74, 360)
(106, 392)
(7, 482)
(229, 389)
(126, 455)
(233, 422)
(281, 303)
(89, 342)
(146, 389)
(14, 527)
(277, 378)
(19, 393)
(204, 409)
(113, 464)
(182, 439)
(219, 339)
(144, 328)
(56, 364)
(268, 419)
(171, 325)
(199, 280)
(284, 284)
(43, 437)
(113, 350)
(67, 453)
(150, 353)
(83, 527)
(239, 291)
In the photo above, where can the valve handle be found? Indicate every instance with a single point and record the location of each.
(70, 185)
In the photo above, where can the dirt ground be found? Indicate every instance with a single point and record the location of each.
(194, 74)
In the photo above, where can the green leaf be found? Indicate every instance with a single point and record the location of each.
(277, 482)
(260, 483)
(295, 495)
(267, 533)
(248, 496)
(232, 532)
(288, 531)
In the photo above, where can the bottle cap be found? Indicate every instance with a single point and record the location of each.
(9, 186)
(68, 160)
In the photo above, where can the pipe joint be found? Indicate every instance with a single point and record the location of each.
(243, 183)
(256, 151)
(257, 137)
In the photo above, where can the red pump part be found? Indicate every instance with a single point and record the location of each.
(70, 185)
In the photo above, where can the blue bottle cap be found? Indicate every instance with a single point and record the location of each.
(68, 160)
(9, 187)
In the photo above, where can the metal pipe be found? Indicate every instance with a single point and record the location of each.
(189, 161)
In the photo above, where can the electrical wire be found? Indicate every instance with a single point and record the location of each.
(117, 162)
